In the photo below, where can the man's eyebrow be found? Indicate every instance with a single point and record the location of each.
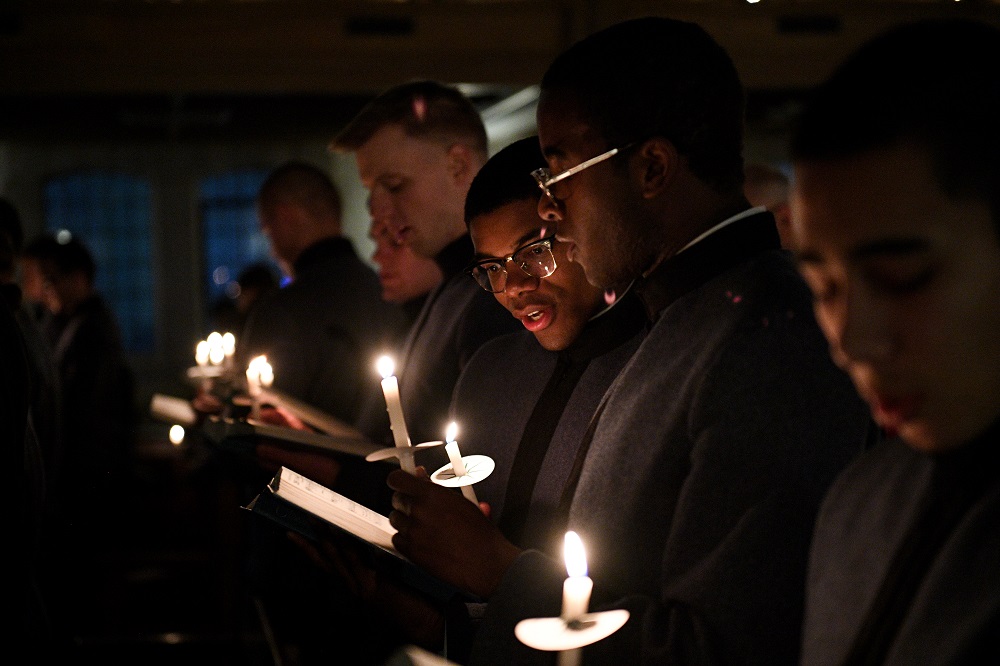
(538, 233)
(889, 247)
(881, 248)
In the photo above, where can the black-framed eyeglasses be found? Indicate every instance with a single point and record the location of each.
(535, 259)
(546, 180)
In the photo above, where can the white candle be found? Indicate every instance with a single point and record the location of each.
(216, 353)
(576, 590)
(577, 587)
(257, 371)
(201, 352)
(457, 464)
(390, 388)
(228, 348)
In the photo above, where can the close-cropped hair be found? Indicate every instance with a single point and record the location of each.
(655, 76)
(934, 84)
(423, 109)
(302, 184)
(505, 178)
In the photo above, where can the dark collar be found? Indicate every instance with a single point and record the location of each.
(455, 256)
(612, 328)
(712, 256)
(322, 250)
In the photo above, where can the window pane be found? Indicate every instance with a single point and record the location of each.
(112, 214)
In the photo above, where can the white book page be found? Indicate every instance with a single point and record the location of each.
(335, 508)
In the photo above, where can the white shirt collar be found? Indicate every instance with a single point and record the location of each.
(725, 223)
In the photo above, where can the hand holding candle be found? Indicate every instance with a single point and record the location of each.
(390, 387)
(457, 464)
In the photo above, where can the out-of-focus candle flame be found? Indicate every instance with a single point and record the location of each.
(176, 434)
(385, 366)
(451, 432)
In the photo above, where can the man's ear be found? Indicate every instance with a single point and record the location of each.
(659, 162)
(460, 166)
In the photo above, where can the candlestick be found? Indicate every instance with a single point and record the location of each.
(201, 352)
(228, 349)
(457, 464)
(257, 371)
(576, 590)
(216, 353)
(390, 388)
(575, 627)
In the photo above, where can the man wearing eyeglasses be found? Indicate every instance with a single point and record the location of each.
(700, 475)
(524, 399)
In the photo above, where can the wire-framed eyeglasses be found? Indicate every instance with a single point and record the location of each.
(535, 259)
(546, 180)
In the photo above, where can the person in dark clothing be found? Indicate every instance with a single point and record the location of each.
(896, 225)
(525, 398)
(322, 332)
(418, 146)
(696, 484)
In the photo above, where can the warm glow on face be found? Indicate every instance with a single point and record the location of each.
(576, 558)
(451, 432)
(385, 366)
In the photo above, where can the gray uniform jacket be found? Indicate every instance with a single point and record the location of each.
(705, 469)
(905, 564)
(323, 332)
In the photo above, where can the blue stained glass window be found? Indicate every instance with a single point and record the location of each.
(230, 232)
(112, 214)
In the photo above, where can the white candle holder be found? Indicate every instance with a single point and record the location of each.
(404, 454)
(555, 634)
(477, 468)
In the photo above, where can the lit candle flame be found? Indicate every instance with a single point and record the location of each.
(451, 432)
(176, 434)
(573, 552)
(201, 352)
(385, 366)
(229, 344)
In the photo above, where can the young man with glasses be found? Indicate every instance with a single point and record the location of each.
(524, 399)
(697, 482)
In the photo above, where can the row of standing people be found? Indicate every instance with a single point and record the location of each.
(730, 484)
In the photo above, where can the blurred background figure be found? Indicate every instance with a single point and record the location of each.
(323, 330)
(96, 383)
(768, 186)
(233, 310)
(406, 277)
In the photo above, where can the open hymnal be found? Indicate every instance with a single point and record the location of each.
(290, 500)
(333, 507)
(172, 410)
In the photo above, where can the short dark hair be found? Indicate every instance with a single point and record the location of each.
(424, 109)
(303, 184)
(505, 178)
(932, 83)
(656, 76)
